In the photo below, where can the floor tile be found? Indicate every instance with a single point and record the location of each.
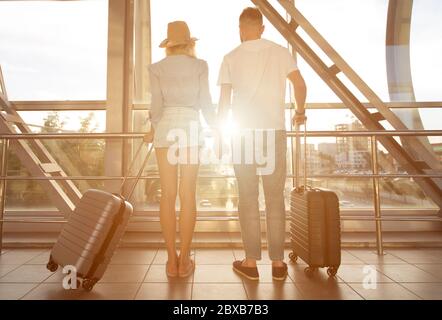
(6, 268)
(216, 274)
(433, 269)
(406, 273)
(157, 273)
(42, 258)
(53, 291)
(214, 256)
(348, 258)
(272, 291)
(124, 273)
(371, 257)
(418, 255)
(160, 257)
(218, 291)
(329, 290)
(427, 291)
(27, 274)
(112, 291)
(384, 291)
(133, 256)
(19, 256)
(164, 291)
(14, 291)
(359, 273)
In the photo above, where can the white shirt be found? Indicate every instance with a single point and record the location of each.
(180, 81)
(257, 71)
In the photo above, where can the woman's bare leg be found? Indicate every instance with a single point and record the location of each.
(168, 179)
(187, 192)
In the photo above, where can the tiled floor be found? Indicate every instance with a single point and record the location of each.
(140, 274)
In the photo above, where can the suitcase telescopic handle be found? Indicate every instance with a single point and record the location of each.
(140, 171)
(298, 155)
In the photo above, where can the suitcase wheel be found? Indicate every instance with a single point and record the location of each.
(293, 257)
(310, 271)
(332, 271)
(88, 284)
(52, 266)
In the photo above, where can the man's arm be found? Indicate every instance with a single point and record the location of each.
(300, 89)
(225, 103)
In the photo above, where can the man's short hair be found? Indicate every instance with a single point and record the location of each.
(251, 16)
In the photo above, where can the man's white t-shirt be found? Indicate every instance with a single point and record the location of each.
(257, 71)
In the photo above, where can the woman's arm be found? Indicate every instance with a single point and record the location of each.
(206, 103)
(156, 107)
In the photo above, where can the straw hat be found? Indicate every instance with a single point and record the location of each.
(178, 33)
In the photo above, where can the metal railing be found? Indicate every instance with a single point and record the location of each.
(100, 105)
(375, 176)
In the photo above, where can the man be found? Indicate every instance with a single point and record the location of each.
(255, 73)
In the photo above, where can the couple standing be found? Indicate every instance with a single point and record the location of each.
(253, 82)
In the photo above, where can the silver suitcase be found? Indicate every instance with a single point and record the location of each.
(93, 231)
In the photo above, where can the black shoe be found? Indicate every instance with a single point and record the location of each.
(279, 273)
(250, 273)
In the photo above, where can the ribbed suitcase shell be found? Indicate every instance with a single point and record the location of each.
(92, 233)
(315, 227)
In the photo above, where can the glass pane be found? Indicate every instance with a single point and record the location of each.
(356, 29)
(81, 157)
(404, 193)
(54, 50)
(426, 50)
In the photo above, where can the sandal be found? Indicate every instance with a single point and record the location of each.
(190, 270)
(171, 274)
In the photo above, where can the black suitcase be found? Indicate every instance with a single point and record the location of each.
(315, 228)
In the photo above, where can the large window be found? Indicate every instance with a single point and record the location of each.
(56, 50)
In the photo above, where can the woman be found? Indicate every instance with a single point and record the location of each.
(180, 88)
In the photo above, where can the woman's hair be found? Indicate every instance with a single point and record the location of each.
(186, 49)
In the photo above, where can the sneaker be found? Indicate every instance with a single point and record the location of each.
(250, 273)
(279, 273)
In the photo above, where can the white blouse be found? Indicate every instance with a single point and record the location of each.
(180, 81)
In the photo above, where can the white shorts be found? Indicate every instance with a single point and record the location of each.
(178, 126)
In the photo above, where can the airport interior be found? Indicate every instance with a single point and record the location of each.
(75, 99)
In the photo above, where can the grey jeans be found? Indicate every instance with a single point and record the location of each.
(248, 206)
